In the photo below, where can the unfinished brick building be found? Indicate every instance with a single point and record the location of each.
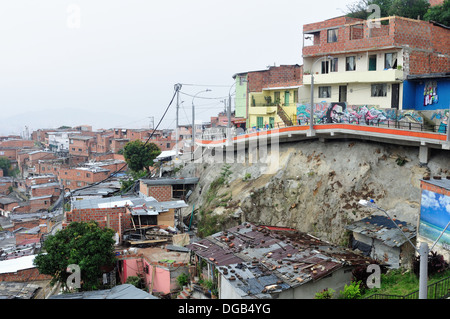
(366, 62)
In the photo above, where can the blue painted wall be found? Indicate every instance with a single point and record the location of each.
(413, 95)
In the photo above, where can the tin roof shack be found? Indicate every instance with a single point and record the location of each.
(377, 236)
(124, 214)
(261, 262)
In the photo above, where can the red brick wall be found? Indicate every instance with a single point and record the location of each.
(428, 45)
(25, 275)
(433, 188)
(38, 204)
(115, 218)
(85, 177)
(161, 193)
(55, 191)
(17, 143)
(283, 75)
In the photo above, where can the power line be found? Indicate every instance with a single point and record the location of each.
(125, 165)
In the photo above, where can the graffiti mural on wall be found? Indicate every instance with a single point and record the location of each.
(341, 112)
(441, 118)
(430, 93)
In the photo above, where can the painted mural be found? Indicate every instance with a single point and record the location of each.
(357, 114)
(434, 217)
(430, 93)
(440, 117)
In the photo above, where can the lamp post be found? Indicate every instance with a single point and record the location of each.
(193, 122)
(229, 114)
(311, 120)
(177, 88)
(423, 250)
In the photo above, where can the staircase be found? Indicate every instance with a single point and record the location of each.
(185, 293)
(284, 117)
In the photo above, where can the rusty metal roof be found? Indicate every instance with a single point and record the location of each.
(383, 228)
(258, 260)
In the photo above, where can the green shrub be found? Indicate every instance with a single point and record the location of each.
(182, 279)
(325, 294)
(351, 291)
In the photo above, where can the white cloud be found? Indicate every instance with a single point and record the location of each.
(429, 199)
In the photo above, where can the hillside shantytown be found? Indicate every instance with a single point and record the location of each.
(203, 226)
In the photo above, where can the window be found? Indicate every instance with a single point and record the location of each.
(372, 62)
(332, 35)
(78, 183)
(295, 96)
(378, 89)
(88, 175)
(325, 65)
(350, 63)
(390, 61)
(324, 91)
(334, 65)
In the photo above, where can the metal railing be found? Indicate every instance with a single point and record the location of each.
(437, 290)
(401, 125)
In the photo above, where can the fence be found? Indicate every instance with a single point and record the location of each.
(437, 290)
(402, 125)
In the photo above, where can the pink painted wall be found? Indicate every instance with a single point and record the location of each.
(161, 282)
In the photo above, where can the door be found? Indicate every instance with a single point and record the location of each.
(271, 122)
(395, 95)
(259, 122)
(342, 93)
(286, 98)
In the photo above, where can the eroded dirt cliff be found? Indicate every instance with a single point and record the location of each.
(315, 186)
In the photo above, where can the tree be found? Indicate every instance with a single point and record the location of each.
(412, 9)
(439, 13)
(359, 9)
(5, 164)
(139, 155)
(402, 8)
(82, 243)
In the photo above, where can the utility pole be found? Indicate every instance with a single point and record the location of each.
(177, 88)
(229, 119)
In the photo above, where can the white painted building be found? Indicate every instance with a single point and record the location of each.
(358, 78)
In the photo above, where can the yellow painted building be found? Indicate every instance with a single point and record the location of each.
(263, 107)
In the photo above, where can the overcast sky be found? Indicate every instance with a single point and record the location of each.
(122, 58)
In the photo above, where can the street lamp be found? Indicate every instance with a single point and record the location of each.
(311, 122)
(193, 121)
(423, 250)
(229, 114)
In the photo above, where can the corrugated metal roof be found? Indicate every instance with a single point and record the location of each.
(258, 260)
(125, 291)
(171, 181)
(383, 228)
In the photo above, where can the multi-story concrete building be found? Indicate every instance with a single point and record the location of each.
(365, 62)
